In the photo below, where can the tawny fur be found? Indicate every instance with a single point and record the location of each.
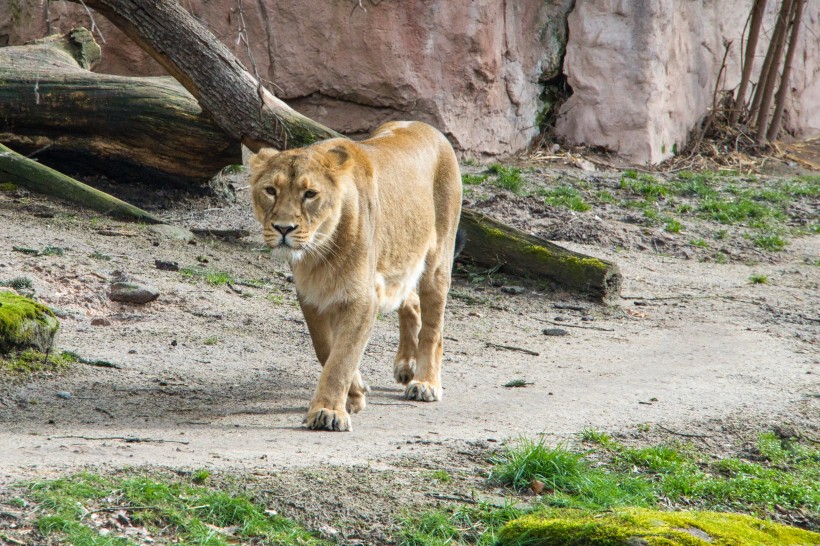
(366, 226)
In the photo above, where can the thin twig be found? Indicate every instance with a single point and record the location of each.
(126, 439)
(118, 508)
(600, 329)
(93, 23)
(456, 498)
(511, 348)
(684, 434)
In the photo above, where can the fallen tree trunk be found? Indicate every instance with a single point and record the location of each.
(143, 129)
(493, 243)
(41, 179)
(248, 112)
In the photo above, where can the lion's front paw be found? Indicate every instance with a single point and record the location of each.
(328, 419)
(403, 371)
(423, 392)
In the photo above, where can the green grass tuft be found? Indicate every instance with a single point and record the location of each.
(473, 179)
(508, 178)
(566, 197)
(172, 511)
(758, 279)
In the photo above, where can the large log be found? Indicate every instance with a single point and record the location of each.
(41, 179)
(248, 112)
(493, 243)
(130, 129)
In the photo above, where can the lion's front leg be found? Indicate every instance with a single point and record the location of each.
(340, 386)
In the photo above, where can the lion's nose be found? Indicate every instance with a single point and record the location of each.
(284, 229)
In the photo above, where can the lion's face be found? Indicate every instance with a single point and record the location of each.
(296, 196)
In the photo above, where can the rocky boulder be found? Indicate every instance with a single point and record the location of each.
(25, 324)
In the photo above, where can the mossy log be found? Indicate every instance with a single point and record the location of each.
(247, 111)
(41, 179)
(25, 324)
(146, 130)
(491, 243)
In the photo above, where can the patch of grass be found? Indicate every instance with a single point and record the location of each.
(516, 383)
(736, 210)
(213, 340)
(21, 284)
(473, 179)
(210, 276)
(477, 524)
(508, 178)
(772, 242)
(276, 298)
(604, 196)
(200, 476)
(441, 476)
(97, 255)
(566, 197)
(700, 243)
(171, 510)
(673, 226)
(758, 279)
(30, 362)
(645, 185)
(573, 480)
(8, 187)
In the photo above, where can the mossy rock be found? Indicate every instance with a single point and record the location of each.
(642, 527)
(25, 324)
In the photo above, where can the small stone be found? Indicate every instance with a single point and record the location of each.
(555, 332)
(132, 292)
(163, 265)
(65, 395)
(172, 232)
(561, 318)
(514, 290)
(100, 322)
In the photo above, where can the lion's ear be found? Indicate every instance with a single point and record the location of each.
(339, 157)
(258, 160)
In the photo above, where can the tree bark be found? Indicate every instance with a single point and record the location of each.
(771, 77)
(87, 123)
(751, 46)
(246, 111)
(41, 179)
(783, 89)
(209, 71)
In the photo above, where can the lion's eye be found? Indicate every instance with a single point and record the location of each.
(310, 194)
(270, 190)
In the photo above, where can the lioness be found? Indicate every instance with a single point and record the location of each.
(366, 226)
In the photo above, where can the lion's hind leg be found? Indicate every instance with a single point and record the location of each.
(409, 326)
(426, 383)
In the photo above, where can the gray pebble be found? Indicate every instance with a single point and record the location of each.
(515, 290)
(132, 292)
(555, 332)
(65, 395)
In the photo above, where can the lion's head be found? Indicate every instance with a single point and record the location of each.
(297, 196)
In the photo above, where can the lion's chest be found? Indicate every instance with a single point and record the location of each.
(393, 288)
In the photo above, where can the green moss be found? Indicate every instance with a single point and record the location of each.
(632, 526)
(25, 323)
(570, 261)
(30, 362)
(8, 187)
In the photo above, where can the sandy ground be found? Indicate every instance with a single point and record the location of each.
(220, 377)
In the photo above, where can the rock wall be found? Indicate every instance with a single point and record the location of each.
(643, 71)
(473, 68)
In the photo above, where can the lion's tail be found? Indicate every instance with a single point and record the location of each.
(461, 242)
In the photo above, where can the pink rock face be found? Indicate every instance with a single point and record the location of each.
(472, 68)
(643, 73)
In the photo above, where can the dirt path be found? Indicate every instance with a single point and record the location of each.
(211, 377)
